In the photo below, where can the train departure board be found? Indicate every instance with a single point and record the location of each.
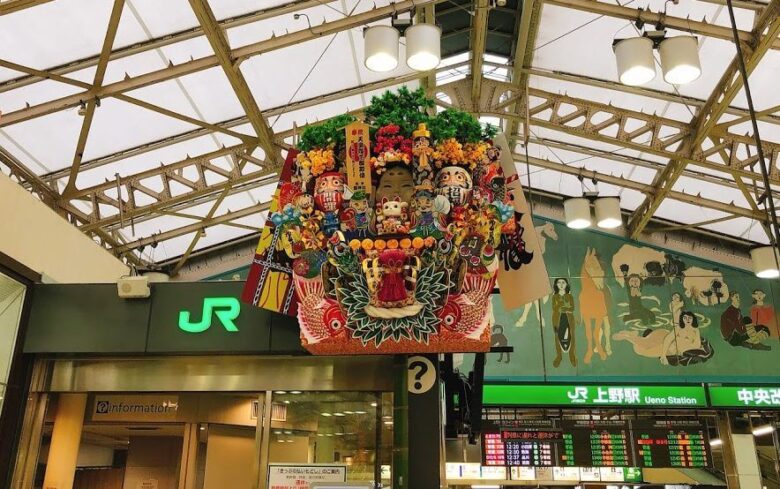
(493, 450)
(671, 443)
(531, 447)
(595, 444)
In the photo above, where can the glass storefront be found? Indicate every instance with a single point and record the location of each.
(179, 439)
(11, 302)
(211, 440)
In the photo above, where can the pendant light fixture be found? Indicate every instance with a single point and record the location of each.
(765, 259)
(680, 59)
(608, 214)
(423, 46)
(635, 62)
(381, 47)
(577, 212)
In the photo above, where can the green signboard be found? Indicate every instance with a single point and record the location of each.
(744, 396)
(596, 395)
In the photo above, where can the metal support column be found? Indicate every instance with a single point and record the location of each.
(400, 424)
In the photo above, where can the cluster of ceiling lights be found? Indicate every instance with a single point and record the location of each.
(423, 46)
(577, 212)
(636, 63)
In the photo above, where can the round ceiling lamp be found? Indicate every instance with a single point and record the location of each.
(423, 46)
(608, 213)
(381, 48)
(680, 59)
(577, 212)
(635, 62)
(765, 259)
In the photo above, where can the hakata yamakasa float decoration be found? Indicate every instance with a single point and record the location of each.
(387, 236)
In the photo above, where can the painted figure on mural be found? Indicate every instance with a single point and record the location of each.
(655, 266)
(593, 307)
(676, 306)
(764, 314)
(739, 330)
(681, 345)
(499, 339)
(636, 309)
(543, 232)
(563, 321)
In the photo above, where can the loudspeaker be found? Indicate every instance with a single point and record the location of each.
(133, 287)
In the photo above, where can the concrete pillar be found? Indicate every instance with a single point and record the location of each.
(740, 459)
(65, 440)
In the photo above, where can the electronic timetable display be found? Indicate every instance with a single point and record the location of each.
(672, 443)
(531, 448)
(596, 444)
(655, 443)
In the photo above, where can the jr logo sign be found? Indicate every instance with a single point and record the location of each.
(226, 309)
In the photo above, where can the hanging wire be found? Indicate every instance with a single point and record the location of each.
(767, 197)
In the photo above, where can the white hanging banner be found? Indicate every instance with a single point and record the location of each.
(522, 269)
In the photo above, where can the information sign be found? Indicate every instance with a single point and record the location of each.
(744, 396)
(595, 395)
(302, 476)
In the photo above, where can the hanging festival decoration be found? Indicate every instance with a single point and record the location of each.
(387, 236)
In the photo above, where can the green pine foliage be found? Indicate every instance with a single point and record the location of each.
(456, 124)
(406, 109)
(330, 132)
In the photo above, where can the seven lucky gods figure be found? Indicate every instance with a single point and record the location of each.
(411, 232)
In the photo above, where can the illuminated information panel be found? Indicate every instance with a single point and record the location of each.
(493, 450)
(671, 443)
(531, 448)
(596, 444)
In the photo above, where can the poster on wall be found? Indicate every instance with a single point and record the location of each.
(303, 476)
(388, 235)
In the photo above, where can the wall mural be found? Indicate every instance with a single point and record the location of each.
(622, 311)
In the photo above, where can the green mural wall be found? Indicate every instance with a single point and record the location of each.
(630, 312)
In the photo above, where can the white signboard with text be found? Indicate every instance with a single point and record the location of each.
(302, 476)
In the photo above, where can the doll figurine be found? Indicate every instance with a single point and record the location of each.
(356, 218)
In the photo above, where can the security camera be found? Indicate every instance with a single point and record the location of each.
(501, 3)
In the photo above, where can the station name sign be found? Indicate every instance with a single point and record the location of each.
(596, 395)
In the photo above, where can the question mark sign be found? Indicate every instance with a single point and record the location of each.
(418, 375)
(422, 374)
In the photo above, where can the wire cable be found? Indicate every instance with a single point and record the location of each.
(769, 205)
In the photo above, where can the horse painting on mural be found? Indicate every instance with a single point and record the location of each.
(545, 231)
(593, 307)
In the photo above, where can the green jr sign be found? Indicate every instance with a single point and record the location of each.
(226, 309)
(744, 396)
(595, 395)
